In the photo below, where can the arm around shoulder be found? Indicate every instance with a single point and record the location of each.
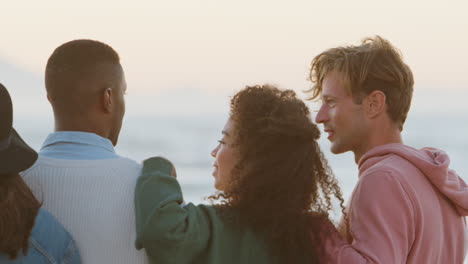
(162, 224)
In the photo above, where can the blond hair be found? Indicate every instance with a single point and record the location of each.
(374, 65)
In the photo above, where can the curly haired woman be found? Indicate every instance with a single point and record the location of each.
(275, 191)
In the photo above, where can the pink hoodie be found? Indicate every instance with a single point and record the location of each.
(407, 207)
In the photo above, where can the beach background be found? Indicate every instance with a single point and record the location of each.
(184, 59)
(184, 126)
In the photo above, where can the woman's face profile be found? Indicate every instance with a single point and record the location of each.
(225, 156)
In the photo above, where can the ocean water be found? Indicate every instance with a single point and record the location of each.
(187, 140)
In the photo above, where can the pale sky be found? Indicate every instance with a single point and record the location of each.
(194, 53)
(224, 45)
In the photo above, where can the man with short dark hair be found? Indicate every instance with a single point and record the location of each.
(408, 206)
(85, 85)
(78, 175)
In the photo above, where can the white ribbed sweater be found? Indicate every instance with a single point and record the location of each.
(93, 199)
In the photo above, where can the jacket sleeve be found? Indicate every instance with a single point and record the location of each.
(164, 228)
(381, 222)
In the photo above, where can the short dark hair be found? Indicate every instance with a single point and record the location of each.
(374, 65)
(78, 61)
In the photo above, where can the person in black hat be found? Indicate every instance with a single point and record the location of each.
(28, 234)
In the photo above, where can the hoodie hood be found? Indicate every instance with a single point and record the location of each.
(432, 162)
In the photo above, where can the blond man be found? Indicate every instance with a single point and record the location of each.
(408, 206)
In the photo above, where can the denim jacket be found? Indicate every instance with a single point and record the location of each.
(49, 243)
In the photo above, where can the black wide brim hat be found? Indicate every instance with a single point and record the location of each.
(16, 155)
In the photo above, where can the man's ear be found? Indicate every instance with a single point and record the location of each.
(375, 103)
(49, 98)
(107, 101)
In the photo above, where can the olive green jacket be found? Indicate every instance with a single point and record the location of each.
(172, 233)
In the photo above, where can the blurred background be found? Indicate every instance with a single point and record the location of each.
(184, 59)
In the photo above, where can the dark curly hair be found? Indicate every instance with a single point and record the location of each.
(282, 186)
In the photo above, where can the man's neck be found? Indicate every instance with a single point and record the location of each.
(379, 138)
(80, 128)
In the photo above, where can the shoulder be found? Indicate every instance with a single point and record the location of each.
(124, 162)
(45, 163)
(377, 180)
(208, 211)
(393, 174)
(384, 187)
(391, 168)
(50, 238)
(47, 226)
(384, 176)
